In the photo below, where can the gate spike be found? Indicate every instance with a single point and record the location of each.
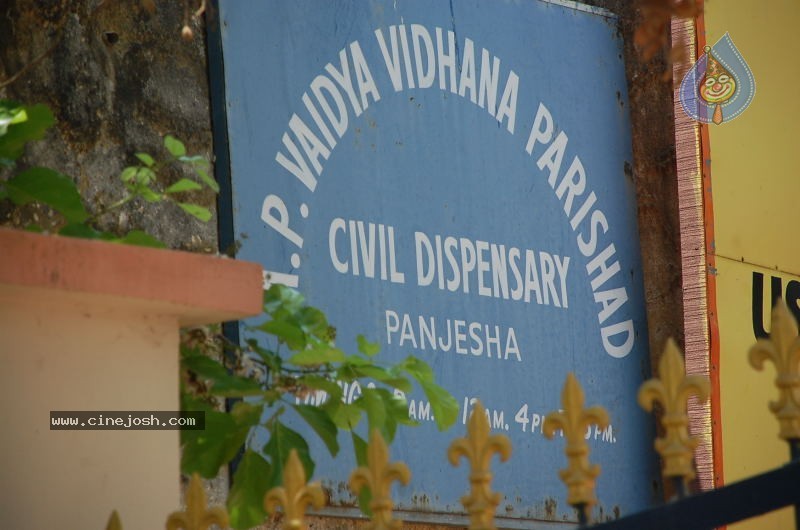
(783, 349)
(295, 495)
(113, 522)
(573, 420)
(378, 477)
(478, 447)
(197, 515)
(672, 389)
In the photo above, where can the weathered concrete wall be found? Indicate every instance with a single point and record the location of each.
(118, 79)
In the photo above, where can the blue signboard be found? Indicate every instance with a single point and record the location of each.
(449, 179)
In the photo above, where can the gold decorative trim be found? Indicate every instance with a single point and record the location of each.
(573, 420)
(295, 495)
(672, 389)
(378, 476)
(478, 447)
(113, 522)
(197, 515)
(783, 349)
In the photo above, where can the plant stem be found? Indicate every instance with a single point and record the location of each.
(104, 210)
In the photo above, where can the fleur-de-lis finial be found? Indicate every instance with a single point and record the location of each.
(573, 420)
(478, 447)
(295, 495)
(113, 522)
(783, 349)
(197, 515)
(378, 475)
(672, 389)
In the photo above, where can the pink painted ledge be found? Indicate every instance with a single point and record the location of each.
(198, 289)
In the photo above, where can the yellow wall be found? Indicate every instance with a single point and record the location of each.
(756, 196)
(755, 157)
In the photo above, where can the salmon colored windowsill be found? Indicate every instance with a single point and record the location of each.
(198, 289)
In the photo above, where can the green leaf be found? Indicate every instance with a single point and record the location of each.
(48, 187)
(145, 175)
(205, 451)
(416, 368)
(12, 143)
(313, 321)
(357, 361)
(11, 113)
(316, 382)
(183, 185)
(286, 331)
(146, 159)
(397, 408)
(384, 411)
(347, 373)
(128, 173)
(279, 298)
(360, 450)
(246, 496)
(148, 194)
(140, 238)
(281, 441)
(384, 376)
(20, 117)
(204, 214)
(345, 416)
(321, 354)
(367, 348)
(193, 160)
(443, 404)
(371, 403)
(271, 360)
(210, 182)
(319, 420)
(174, 146)
(223, 383)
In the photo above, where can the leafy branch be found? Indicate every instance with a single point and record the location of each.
(45, 186)
(272, 383)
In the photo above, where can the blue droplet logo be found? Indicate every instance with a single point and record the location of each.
(720, 85)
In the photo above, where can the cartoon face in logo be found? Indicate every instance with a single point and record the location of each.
(716, 89)
(717, 86)
(720, 85)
